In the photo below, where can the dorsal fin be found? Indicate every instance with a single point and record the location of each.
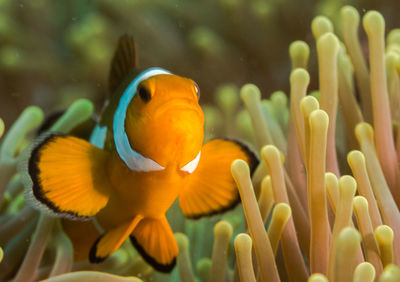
(124, 61)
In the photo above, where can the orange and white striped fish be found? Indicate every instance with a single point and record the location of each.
(146, 151)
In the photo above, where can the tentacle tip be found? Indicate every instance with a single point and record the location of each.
(373, 23)
(364, 130)
(250, 91)
(350, 15)
(328, 43)
(299, 76)
(321, 25)
(355, 156)
(182, 241)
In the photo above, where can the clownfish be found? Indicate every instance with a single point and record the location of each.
(146, 151)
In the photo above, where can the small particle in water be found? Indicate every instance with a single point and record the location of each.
(21, 5)
(73, 19)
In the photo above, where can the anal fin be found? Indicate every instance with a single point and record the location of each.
(110, 241)
(82, 235)
(211, 188)
(154, 240)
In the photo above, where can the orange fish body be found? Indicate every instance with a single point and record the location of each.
(176, 121)
(146, 152)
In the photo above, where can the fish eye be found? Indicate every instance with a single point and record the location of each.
(144, 93)
(197, 89)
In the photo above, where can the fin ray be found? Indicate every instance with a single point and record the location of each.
(211, 188)
(110, 241)
(124, 61)
(68, 176)
(154, 240)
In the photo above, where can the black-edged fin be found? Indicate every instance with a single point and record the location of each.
(124, 61)
(154, 240)
(82, 235)
(68, 176)
(110, 241)
(211, 188)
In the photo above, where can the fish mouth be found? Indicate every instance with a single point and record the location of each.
(177, 106)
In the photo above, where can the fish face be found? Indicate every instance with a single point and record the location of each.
(164, 121)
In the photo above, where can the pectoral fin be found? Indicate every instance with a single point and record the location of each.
(211, 188)
(110, 241)
(154, 240)
(68, 176)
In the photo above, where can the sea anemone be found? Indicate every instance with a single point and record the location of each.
(323, 240)
(52, 53)
(296, 220)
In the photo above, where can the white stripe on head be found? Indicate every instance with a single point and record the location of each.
(134, 160)
(192, 165)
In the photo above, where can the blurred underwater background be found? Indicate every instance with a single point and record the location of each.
(255, 62)
(54, 52)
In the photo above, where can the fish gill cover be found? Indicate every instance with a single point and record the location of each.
(343, 228)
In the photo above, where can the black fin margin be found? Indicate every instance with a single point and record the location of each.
(92, 253)
(253, 163)
(124, 61)
(165, 268)
(253, 160)
(34, 173)
(229, 207)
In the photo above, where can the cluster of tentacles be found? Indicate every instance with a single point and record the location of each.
(322, 206)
